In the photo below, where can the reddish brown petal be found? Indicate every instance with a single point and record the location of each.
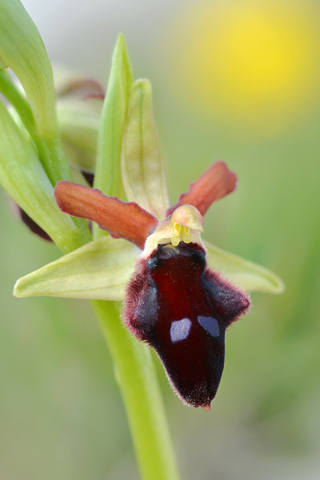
(215, 183)
(120, 219)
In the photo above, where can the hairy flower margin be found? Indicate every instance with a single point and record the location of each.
(129, 167)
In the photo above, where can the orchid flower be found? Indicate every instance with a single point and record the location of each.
(181, 308)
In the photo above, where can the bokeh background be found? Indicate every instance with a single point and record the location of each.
(237, 80)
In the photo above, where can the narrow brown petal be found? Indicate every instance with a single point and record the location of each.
(215, 183)
(120, 219)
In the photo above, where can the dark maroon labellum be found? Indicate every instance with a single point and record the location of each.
(182, 309)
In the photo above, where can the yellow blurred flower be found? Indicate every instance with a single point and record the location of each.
(252, 64)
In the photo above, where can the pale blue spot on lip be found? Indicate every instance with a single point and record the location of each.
(210, 325)
(179, 330)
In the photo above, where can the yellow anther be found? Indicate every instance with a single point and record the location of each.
(189, 217)
(175, 241)
(185, 221)
(177, 229)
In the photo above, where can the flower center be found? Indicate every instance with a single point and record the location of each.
(184, 225)
(180, 233)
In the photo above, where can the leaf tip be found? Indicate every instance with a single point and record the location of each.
(18, 290)
(279, 285)
(121, 39)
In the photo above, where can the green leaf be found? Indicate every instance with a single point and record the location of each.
(142, 168)
(244, 273)
(23, 177)
(99, 270)
(108, 170)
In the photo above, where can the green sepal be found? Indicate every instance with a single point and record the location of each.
(142, 168)
(246, 274)
(23, 177)
(108, 170)
(99, 270)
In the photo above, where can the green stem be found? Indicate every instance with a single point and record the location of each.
(140, 390)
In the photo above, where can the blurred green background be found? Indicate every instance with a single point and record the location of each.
(232, 80)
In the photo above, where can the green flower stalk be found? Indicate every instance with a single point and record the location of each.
(134, 231)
